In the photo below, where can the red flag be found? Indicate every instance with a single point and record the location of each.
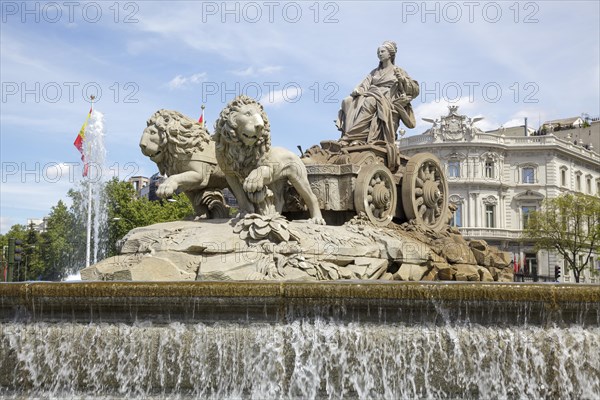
(78, 143)
(515, 263)
(201, 119)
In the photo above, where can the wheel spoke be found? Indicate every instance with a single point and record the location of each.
(422, 210)
(428, 171)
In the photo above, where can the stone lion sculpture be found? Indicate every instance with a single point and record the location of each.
(255, 171)
(184, 152)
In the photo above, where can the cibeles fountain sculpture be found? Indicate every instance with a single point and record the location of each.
(387, 215)
(285, 338)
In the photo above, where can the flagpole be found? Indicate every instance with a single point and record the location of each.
(88, 246)
(89, 226)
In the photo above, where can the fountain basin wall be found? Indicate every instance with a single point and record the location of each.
(299, 340)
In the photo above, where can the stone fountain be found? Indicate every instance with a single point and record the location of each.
(360, 339)
(311, 291)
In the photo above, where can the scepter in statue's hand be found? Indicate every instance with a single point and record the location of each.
(401, 80)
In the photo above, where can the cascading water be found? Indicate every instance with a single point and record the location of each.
(305, 360)
(171, 343)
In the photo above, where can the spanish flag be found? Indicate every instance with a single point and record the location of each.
(79, 142)
(201, 119)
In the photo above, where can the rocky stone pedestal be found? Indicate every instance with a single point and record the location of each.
(271, 248)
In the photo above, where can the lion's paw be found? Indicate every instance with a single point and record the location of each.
(166, 189)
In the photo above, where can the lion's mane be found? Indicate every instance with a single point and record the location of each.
(181, 137)
(239, 158)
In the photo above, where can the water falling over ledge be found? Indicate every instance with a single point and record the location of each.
(299, 340)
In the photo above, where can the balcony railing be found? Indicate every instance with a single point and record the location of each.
(491, 233)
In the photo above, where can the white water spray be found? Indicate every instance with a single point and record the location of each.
(95, 156)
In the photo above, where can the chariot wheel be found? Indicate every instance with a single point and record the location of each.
(375, 194)
(425, 191)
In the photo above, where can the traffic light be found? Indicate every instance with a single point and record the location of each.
(18, 250)
(556, 273)
(14, 256)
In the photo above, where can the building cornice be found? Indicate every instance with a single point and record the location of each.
(504, 143)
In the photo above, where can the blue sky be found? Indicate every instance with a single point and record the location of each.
(500, 60)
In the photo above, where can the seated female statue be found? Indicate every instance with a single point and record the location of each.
(374, 109)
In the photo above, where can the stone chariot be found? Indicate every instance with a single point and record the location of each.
(375, 179)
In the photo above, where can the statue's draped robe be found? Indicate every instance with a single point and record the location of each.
(375, 113)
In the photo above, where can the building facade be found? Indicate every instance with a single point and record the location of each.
(140, 185)
(496, 178)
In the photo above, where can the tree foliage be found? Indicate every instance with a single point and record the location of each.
(60, 250)
(126, 211)
(570, 225)
(58, 244)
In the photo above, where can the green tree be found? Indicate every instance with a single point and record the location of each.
(32, 264)
(17, 232)
(126, 211)
(57, 244)
(570, 225)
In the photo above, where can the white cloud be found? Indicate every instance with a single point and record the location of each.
(244, 72)
(290, 94)
(252, 71)
(513, 122)
(181, 81)
(270, 69)
(5, 224)
(56, 171)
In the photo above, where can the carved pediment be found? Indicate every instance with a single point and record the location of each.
(453, 127)
(529, 195)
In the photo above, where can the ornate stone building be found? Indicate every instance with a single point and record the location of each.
(496, 178)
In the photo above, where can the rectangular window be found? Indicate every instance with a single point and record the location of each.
(489, 169)
(578, 183)
(528, 175)
(531, 265)
(563, 177)
(490, 217)
(457, 217)
(525, 210)
(454, 169)
(589, 185)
